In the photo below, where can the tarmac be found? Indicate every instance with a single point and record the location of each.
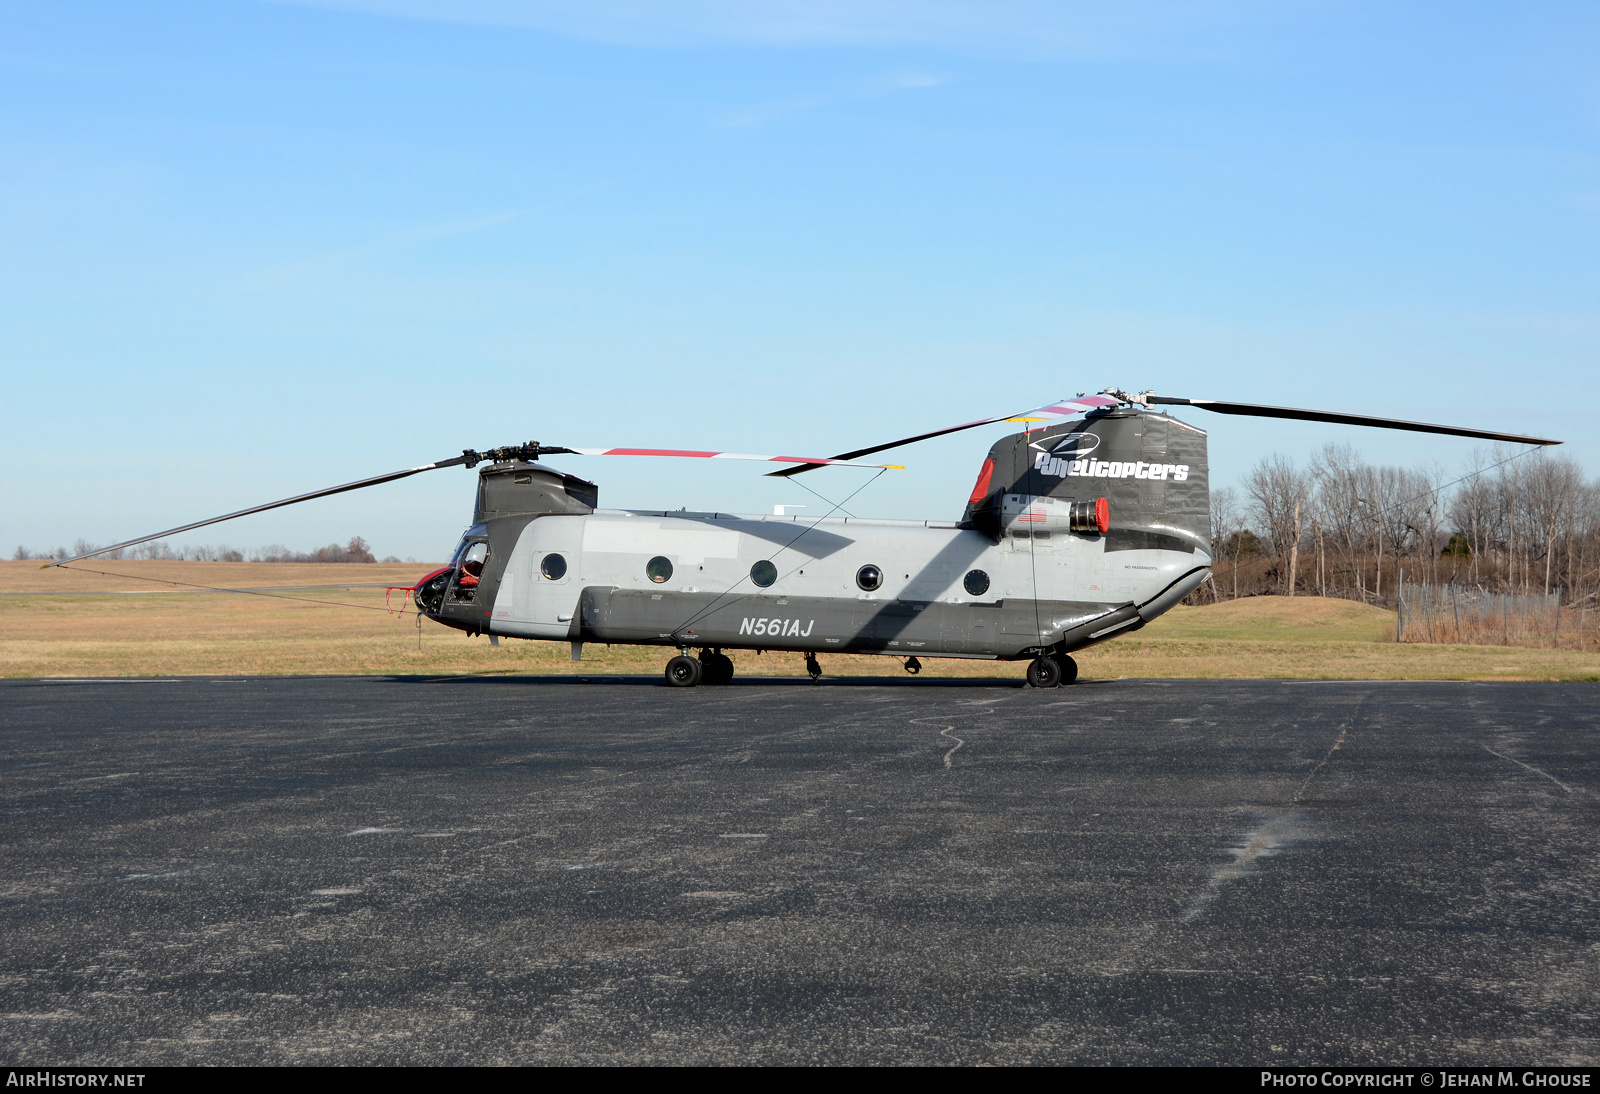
(484, 870)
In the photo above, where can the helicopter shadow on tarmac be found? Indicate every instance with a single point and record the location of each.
(655, 681)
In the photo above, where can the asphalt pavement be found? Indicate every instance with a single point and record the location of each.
(549, 870)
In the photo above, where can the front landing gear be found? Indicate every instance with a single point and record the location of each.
(683, 671)
(913, 666)
(711, 667)
(813, 669)
(1051, 670)
(715, 667)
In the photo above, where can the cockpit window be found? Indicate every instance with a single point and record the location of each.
(469, 560)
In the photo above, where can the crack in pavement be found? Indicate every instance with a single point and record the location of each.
(1530, 767)
(949, 732)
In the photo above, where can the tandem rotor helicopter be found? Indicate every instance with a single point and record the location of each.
(1087, 525)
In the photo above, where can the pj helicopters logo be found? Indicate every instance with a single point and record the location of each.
(1072, 459)
(1076, 446)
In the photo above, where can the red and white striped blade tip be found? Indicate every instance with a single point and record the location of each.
(1065, 408)
(695, 454)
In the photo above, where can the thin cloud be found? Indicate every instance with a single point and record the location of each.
(1027, 27)
(764, 113)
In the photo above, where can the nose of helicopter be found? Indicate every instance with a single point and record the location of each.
(429, 576)
(428, 593)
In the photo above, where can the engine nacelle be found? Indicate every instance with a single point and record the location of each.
(1026, 512)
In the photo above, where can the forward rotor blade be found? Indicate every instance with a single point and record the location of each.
(357, 485)
(1058, 411)
(810, 461)
(1254, 411)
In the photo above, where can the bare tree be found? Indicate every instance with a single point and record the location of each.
(1225, 523)
(1472, 509)
(1339, 475)
(1551, 494)
(1277, 492)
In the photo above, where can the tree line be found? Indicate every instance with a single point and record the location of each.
(1507, 522)
(357, 550)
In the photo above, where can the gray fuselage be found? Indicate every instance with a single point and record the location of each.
(1015, 578)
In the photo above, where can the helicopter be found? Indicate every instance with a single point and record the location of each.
(1089, 523)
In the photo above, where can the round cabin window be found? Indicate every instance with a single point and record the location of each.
(869, 577)
(658, 569)
(554, 567)
(763, 573)
(976, 583)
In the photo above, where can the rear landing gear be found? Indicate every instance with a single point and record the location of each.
(1051, 670)
(813, 669)
(1069, 668)
(913, 666)
(1044, 672)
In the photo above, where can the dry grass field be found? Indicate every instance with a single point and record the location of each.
(94, 575)
(73, 623)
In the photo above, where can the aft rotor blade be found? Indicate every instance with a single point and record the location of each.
(357, 485)
(810, 461)
(1254, 411)
(1058, 411)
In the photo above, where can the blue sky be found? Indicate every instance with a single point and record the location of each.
(250, 249)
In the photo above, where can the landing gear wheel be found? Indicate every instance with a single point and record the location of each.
(813, 669)
(913, 666)
(715, 668)
(1044, 672)
(683, 672)
(1069, 668)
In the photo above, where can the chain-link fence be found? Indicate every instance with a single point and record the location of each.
(1461, 615)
